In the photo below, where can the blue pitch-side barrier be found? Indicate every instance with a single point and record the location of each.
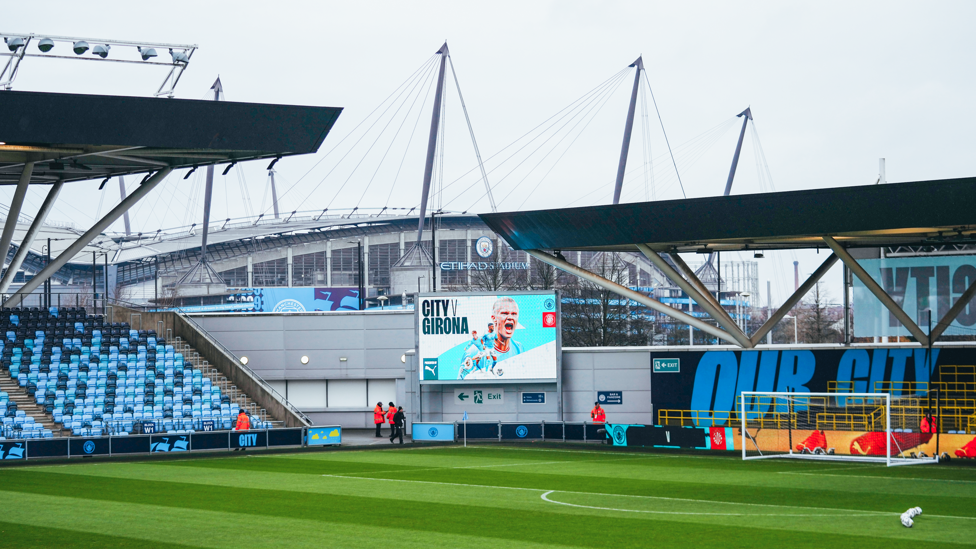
(652, 436)
(546, 430)
(168, 442)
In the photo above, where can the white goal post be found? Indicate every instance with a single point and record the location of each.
(867, 427)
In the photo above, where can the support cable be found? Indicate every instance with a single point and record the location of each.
(559, 115)
(474, 142)
(575, 120)
(568, 147)
(393, 140)
(336, 195)
(406, 150)
(353, 131)
(578, 113)
(665, 134)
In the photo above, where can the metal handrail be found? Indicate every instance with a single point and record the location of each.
(267, 386)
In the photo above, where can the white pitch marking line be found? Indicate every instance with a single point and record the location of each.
(879, 477)
(859, 513)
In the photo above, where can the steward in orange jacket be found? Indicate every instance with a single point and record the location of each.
(378, 417)
(390, 412)
(243, 422)
(598, 414)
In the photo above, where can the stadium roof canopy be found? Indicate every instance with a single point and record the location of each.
(924, 212)
(916, 213)
(73, 137)
(56, 138)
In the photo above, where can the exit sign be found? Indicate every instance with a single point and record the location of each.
(667, 365)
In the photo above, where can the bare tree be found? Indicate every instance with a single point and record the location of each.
(542, 276)
(816, 317)
(596, 317)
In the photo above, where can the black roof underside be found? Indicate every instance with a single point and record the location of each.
(923, 212)
(79, 137)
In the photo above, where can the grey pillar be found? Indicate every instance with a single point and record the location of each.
(366, 264)
(14, 212)
(96, 229)
(35, 228)
(328, 263)
(250, 271)
(125, 216)
(291, 268)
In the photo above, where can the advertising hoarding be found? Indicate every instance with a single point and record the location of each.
(488, 337)
(323, 436)
(915, 284)
(710, 381)
(443, 432)
(283, 300)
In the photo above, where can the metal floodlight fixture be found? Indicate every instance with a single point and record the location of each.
(304, 359)
(758, 254)
(80, 47)
(179, 56)
(147, 53)
(244, 360)
(45, 45)
(13, 44)
(101, 50)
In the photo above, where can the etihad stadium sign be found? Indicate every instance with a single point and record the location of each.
(484, 266)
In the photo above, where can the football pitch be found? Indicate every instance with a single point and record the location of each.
(483, 496)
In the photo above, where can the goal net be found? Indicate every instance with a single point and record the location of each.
(873, 427)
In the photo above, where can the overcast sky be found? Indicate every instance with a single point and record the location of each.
(833, 87)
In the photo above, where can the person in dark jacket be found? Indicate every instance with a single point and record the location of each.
(398, 424)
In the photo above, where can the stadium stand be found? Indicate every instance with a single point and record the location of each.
(87, 377)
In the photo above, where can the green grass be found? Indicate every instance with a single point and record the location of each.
(483, 496)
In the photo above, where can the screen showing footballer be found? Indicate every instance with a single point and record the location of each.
(488, 337)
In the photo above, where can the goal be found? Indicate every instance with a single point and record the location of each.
(871, 427)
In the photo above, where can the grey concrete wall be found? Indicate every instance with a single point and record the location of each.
(371, 342)
(374, 341)
(589, 370)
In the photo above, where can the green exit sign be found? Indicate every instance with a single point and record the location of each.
(667, 365)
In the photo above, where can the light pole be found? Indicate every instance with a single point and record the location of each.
(795, 338)
(745, 325)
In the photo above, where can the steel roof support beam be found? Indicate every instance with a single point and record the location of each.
(35, 228)
(435, 124)
(630, 294)
(690, 275)
(78, 245)
(628, 129)
(877, 290)
(786, 307)
(13, 213)
(694, 292)
(953, 312)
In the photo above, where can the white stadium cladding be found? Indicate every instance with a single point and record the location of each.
(319, 251)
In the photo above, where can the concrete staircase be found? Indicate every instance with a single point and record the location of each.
(24, 402)
(227, 387)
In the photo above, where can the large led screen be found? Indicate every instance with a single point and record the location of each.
(487, 337)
